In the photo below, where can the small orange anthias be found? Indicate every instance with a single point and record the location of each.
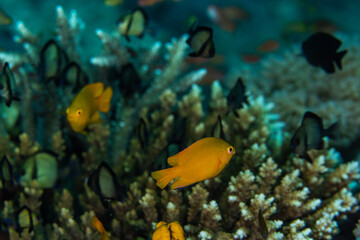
(202, 160)
(171, 231)
(85, 107)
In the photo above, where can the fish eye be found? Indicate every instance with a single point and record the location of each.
(1, 87)
(230, 149)
(79, 112)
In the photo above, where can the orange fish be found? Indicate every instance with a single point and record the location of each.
(202, 160)
(212, 74)
(250, 58)
(95, 222)
(85, 107)
(226, 17)
(216, 60)
(268, 46)
(168, 231)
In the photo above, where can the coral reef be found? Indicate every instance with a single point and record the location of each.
(165, 112)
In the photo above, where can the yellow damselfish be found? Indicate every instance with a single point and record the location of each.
(95, 222)
(85, 107)
(168, 231)
(202, 160)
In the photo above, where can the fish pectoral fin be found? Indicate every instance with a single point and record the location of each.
(104, 235)
(173, 160)
(218, 164)
(95, 118)
(179, 183)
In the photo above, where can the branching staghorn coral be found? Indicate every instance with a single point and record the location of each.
(289, 201)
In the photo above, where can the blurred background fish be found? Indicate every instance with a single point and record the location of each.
(201, 41)
(4, 18)
(113, 2)
(148, 3)
(270, 45)
(133, 23)
(226, 17)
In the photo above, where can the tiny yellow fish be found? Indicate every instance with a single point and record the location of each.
(95, 222)
(85, 107)
(202, 160)
(169, 231)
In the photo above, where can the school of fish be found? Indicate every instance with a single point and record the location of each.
(203, 159)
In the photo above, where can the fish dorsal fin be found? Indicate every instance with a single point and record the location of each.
(96, 89)
(187, 152)
(95, 118)
(177, 158)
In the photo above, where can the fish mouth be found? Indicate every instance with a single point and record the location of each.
(70, 118)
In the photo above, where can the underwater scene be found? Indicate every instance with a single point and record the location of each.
(179, 119)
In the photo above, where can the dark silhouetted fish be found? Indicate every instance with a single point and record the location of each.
(237, 96)
(74, 76)
(320, 50)
(7, 83)
(6, 173)
(133, 23)
(104, 183)
(309, 135)
(130, 81)
(201, 41)
(9, 189)
(53, 59)
(25, 219)
(142, 133)
(262, 225)
(217, 130)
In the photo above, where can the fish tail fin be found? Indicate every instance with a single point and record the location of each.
(332, 131)
(105, 99)
(163, 177)
(104, 235)
(338, 58)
